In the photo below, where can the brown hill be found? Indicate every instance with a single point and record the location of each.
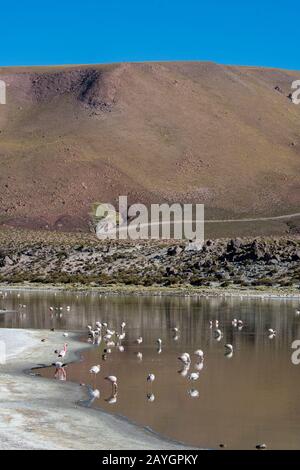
(184, 132)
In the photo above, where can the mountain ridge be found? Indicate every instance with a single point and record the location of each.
(225, 136)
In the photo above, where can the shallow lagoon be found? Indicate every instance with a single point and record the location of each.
(250, 398)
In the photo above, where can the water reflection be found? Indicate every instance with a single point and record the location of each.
(112, 399)
(60, 373)
(150, 397)
(193, 393)
(250, 398)
(93, 394)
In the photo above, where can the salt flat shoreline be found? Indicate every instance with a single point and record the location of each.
(266, 293)
(39, 413)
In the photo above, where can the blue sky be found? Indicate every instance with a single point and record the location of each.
(264, 33)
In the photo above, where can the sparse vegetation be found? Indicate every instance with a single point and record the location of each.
(68, 259)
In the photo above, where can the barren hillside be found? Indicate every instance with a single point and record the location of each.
(184, 132)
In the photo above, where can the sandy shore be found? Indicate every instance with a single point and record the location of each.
(37, 413)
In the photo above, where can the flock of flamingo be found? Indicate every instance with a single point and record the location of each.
(101, 332)
(113, 339)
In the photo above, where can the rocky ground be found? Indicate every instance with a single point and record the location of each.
(272, 262)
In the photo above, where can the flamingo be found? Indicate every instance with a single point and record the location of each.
(120, 336)
(184, 370)
(95, 393)
(150, 397)
(63, 352)
(92, 336)
(272, 333)
(58, 364)
(60, 372)
(110, 332)
(112, 399)
(200, 354)
(114, 382)
(150, 378)
(261, 446)
(185, 358)
(218, 334)
(194, 376)
(228, 351)
(98, 340)
(199, 365)
(176, 332)
(95, 369)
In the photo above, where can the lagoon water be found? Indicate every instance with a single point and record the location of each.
(252, 397)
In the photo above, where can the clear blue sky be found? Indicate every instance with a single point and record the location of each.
(246, 32)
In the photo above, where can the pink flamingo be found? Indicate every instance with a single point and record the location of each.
(63, 352)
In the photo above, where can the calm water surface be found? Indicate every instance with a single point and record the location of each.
(250, 398)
